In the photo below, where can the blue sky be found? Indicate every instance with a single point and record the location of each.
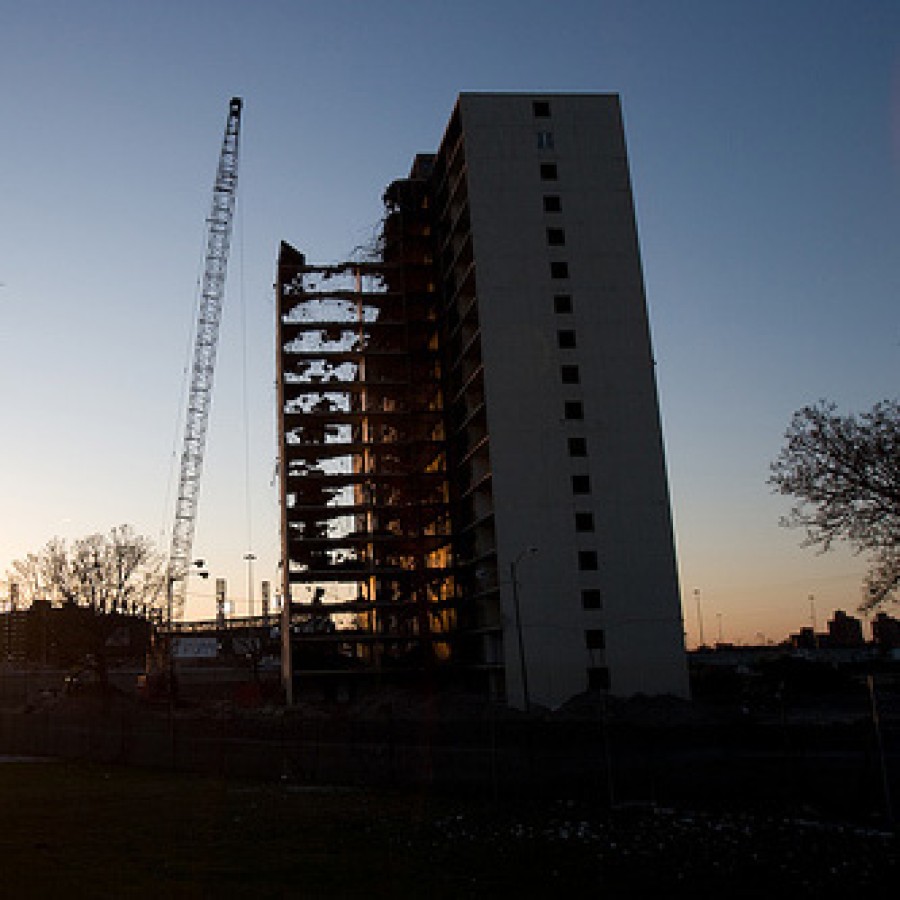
(764, 141)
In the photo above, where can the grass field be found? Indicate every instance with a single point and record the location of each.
(77, 831)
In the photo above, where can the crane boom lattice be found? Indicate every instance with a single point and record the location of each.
(218, 241)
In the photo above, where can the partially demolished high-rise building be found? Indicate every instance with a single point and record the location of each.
(472, 471)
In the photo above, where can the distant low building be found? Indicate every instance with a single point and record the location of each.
(807, 639)
(886, 632)
(845, 631)
(65, 636)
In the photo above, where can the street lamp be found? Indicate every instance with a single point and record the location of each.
(250, 557)
(699, 616)
(513, 568)
(171, 578)
(197, 567)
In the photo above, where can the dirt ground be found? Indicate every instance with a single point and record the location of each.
(72, 830)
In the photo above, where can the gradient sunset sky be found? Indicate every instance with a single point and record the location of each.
(764, 142)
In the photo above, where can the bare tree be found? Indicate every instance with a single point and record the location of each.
(116, 572)
(28, 574)
(844, 473)
(98, 581)
(58, 574)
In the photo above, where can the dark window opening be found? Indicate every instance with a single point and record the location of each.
(565, 339)
(556, 237)
(570, 375)
(559, 270)
(577, 446)
(552, 203)
(588, 561)
(591, 598)
(548, 172)
(584, 521)
(574, 409)
(541, 109)
(581, 484)
(595, 638)
(598, 678)
(545, 140)
(562, 303)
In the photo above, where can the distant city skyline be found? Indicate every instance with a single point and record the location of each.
(764, 142)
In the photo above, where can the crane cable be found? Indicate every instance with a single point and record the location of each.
(248, 510)
(182, 399)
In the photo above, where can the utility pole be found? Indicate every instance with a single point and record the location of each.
(885, 780)
(513, 577)
(699, 616)
(249, 557)
(812, 619)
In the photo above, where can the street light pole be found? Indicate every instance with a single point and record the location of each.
(513, 566)
(250, 557)
(699, 616)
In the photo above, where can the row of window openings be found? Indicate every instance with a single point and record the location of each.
(562, 303)
(541, 110)
(573, 411)
(591, 598)
(598, 676)
(581, 484)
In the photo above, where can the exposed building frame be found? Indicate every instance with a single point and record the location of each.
(492, 369)
(366, 534)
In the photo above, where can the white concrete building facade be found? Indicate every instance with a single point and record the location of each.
(560, 494)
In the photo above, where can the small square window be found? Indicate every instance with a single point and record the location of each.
(581, 484)
(577, 446)
(591, 598)
(570, 374)
(552, 203)
(545, 140)
(595, 639)
(598, 678)
(541, 109)
(584, 521)
(559, 270)
(565, 339)
(587, 560)
(574, 409)
(562, 303)
(556, 237)
(548, 172)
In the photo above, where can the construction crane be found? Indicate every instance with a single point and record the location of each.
(209, 315)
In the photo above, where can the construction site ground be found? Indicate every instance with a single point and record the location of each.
(84, 830)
